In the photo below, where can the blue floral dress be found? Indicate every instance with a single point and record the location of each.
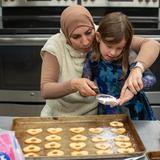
(107, 76)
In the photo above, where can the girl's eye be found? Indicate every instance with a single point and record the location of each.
(109, 46)
(120, 49)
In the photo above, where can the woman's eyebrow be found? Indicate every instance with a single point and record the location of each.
(77, 34)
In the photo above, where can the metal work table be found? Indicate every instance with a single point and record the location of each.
(149, 132)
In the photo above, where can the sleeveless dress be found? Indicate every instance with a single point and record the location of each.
(71, 63)
(107, 76)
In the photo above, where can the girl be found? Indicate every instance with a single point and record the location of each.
(108, 65)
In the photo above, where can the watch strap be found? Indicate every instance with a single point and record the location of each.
(137, 64)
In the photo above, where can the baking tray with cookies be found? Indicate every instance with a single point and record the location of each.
(78, 137)
(153, 155)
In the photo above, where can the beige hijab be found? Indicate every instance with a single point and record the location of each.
(73, 17)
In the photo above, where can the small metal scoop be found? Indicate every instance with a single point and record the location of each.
(106, 99)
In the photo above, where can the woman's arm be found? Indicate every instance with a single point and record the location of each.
(148, 51)
(51, 88)
(148, 79)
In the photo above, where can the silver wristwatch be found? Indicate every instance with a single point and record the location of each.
(137, 64)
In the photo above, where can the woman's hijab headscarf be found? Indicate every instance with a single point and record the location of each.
(73, 17)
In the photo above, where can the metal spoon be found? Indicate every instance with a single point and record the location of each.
(106, 99)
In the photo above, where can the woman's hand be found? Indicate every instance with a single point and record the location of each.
(134, 81)
(128, 95)
(84, 86)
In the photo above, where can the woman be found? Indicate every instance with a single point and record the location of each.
(63, 55)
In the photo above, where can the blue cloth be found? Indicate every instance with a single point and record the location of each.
(107, 76)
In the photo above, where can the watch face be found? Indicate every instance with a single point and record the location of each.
(133, 65)
(137, 65)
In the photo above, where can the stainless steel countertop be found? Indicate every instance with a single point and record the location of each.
(149, 132)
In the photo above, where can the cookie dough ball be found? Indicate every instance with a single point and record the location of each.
(126, 150)
(54, 130)
(31, 154)
(34, 131)
(77, 146)
(31, 148)
(116, 124)
(107, 151)
(77, 129)
(118, 130)
(55, 153)
(53, 137)
(79, 153)
(33, 140)
(122, 138)
(123, 144)
(98, 139)
(52, 145)
(96, 130)
(102, 146)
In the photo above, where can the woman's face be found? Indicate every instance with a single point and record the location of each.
(110, 51)
(82, 38)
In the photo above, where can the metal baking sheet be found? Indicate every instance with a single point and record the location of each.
(154, 155)
(20, 125)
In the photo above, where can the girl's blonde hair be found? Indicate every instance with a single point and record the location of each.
(113, 28)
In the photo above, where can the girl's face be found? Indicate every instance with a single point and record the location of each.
(110, 51)
(82, 38)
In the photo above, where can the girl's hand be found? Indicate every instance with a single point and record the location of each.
(134, 82)
(84, 86)
(128, 95)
